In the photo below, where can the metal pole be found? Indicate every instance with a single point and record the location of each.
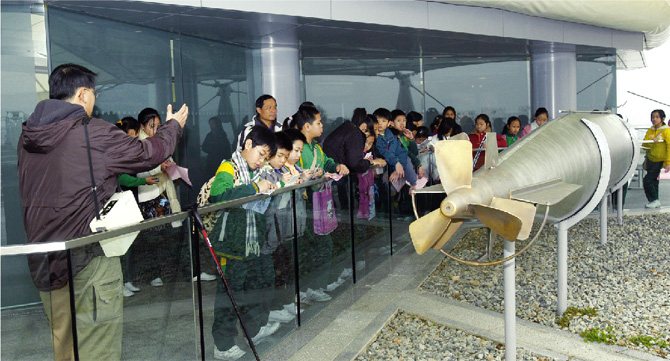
(390, 205)
(510, 302)
(195, 258)
(562, 267)
(73, 309)
(353, 231)
(619, 205)
(603, 219)
(296, 267)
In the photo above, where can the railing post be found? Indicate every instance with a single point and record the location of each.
(296, 267)
(195, 261)
(353, 231)
(73, 309)
(390, 205)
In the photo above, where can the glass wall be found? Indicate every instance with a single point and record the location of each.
(24, 83)
(596, 83)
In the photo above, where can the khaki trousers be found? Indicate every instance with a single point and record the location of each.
(99, 308)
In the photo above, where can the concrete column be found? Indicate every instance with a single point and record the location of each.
(553, 77)
(280, 64)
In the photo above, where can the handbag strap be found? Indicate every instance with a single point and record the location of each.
(90, 167)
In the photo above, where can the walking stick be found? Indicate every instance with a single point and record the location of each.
(201, 226)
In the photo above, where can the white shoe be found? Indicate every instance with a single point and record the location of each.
(266, 331)
(304, 300)
(293, 309)
(360, 265)
(654, 204)
(346, 273)
(204, 276)
(157, 282)
(282, 316)
(127, 292)
(131, 287)
(317, 295)
(229, 355)
(331, 287)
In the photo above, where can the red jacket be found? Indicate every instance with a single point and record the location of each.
(55, 182)
(476, 139)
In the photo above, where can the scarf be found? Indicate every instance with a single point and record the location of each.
(245, 177)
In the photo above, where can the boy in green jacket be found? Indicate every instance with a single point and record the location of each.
(237, 237)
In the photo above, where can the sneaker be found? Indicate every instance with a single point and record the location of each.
(304, 300)
(230, 355)
(127, 292)
(318, 295)
(360, 265)
(157, 282)
(293, 309)
(346, 273)
(266, 331)
(331, 287)
(654, 204)
(131, 287)
(204, 276)
(282, 316)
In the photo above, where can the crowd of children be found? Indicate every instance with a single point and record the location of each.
(245, 238)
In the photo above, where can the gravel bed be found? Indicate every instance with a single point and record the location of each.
(408, 337)
(625, 281)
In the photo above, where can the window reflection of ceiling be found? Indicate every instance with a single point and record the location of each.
(326, 46)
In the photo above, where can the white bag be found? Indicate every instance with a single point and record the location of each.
(120, 210)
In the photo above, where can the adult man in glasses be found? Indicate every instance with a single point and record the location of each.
(56, 193)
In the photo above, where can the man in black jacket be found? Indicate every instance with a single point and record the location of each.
(58, 205)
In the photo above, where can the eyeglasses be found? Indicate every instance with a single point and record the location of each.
(95, 93)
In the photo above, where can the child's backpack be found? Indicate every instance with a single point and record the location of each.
(203, 200)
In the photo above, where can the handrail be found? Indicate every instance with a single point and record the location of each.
(25, 249)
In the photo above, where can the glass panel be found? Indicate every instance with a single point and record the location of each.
(213, 79)
(138, 305)
(261, 278)
(24, 73)
(498, 89)
(26, 334)
(596, 84)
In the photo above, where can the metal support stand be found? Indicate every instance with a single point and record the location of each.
(619, 206)
(562, 267)
(510, 301)
(603, 219)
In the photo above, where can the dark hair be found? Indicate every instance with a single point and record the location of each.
(67, 78)
(283, 141)
(261, 100)
(448, 124)
(146, 115)
(661, 114)
(444, 112)
(396, 113)
(303, 116)
(435, 125)
(395, 131)
(485, 118)
(373, 119)
(294, 135)
(509, 122)
(306, 104)
(411, 126)
(128, 123)
(382, 113)
(261, 136)
(361, 117)
(540, 111)
(413, 117)
(422, 132)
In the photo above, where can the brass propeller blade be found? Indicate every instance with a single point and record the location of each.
(427, 230)
(454, 163)
(451, 229)
(522, 210)
(503, 223)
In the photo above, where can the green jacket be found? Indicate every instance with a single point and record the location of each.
(322, 160)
